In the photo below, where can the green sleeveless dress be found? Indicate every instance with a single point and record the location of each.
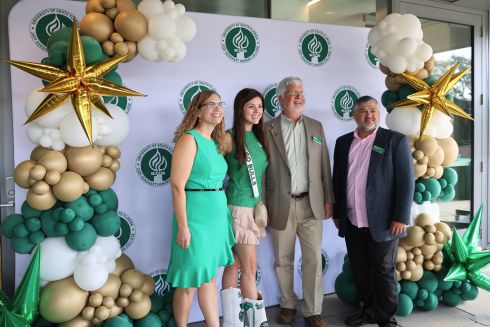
(208, 218)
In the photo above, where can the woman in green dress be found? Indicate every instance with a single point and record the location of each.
(246, 139)
(202, 237)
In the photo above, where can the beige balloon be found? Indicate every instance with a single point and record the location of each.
(38, 152)
(123, 263)
(40, 188)
(451, 150)
(108, 3)
(401, 254)
(427, 144)
(108, 48)
(116, 38)
(111, 287)
(437, 259)
(131, 24)
(134, 278)
(420, 170)
(95, 299)
(122, 302)
(429, 228)
(415, 236)
(416, 251)
(148, 286)
(429, 265)
(112, 13)
(102, 313)
(41, 202)
(21, 173)
(37, 172)
(404, 244)
(97, 25)
(84, 161)
(137, 310)
(113, 151)
(62, 300)
(445, 230)
(70, 187)
(125, 291)
(418, 259)
(401, 266)
(76, 322)
(416, 273)
(88, 313)
(94, 6)
(53, 160)
(115, 166)
(428, 250)
(385, 70)
(125, 5)
(115, 311)
(102, 179)
(52, 177)
(439, 170)
(436, 158)
(406, 274)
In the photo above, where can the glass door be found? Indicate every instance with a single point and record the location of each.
(456, 36)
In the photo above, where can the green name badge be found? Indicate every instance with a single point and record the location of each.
(378, 149)
(316, 139)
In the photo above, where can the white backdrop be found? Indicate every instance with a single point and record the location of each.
(147, 208)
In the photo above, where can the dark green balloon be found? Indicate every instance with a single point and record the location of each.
(67, 215)
(110, 198)
(101, 209)
(470, 294)
(48, 224)
(405, 90)
(432, 186)
(76, 225)
(430, 79)
(164, 316)
(63, 34)
(450, 175)
(114, 77)
(33, 224)
(95, 200)
(150, 320)
(417, 198)
(428, 281)
(22, 245)
(388, 97)
(419, 187)
(405, 305)
(346, 290)
(92, 50)
(82, 240)
(37, 237)
(10, 223)
(430, 303)
(409, 288)
(157, 303)
(106, 224)
(29, 212)
(20, 231)
(61, 229)
(451, 299)
(422, 294)
(118, 321)
(82, 208)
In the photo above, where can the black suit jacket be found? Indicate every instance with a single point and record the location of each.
(390, 183)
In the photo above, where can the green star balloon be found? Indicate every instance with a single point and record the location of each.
(23, 309)
(464, 256)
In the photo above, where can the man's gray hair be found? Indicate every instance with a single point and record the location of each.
(288, 81)
(362, 100)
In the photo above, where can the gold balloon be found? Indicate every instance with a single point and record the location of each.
(429, 265)
(52, 177)
(125, 290)
(94, 6)
(148, 286)
(131, 24)
(123, 263)
(122, 302)
(102, 313)
(76, 322)
(415, 236)
(97, 25)
(436, 158)
(416, 251)
(401, 255)
(70, 187)
(37, 172)
(107, 161)
(125, 5)
(433, 96)
(41, 202)
(84, 161)
(420, 170)
(107, 4)
(95, 299)
(427, 144)
(416, 273)
(116, 311)
(113, 151)
(53, 160)
(40, 188)
(88, 313)
(423, 220)
(418, 259)
(134, 278)
(62, 300)
(83, 84)
(428, 250)
(136, 296)
(115, 166)
(108, 302)
(450, 148)
(445, 230)
(101, 180)
(21, 173)
(137, 310)
(111, 287)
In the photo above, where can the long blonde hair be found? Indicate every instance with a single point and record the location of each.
(191, 119)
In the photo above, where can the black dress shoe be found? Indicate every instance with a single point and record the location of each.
(359, 319)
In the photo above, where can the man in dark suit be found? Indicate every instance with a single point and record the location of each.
(373, 184)
(299, 196)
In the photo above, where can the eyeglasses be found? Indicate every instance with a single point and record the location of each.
(214, 105)
(295, 93)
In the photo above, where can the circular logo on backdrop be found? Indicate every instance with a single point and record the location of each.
(190, 90)
(258, 275)
(314, 47)
(343, 101)
(46, 22)
(125, 103)
(272, 106)
(127, 231)
(153, 164)
(162, 288)
(370, 57)
(324, 263)
(240, 42)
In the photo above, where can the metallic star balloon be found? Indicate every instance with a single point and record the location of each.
(464, 256)
(23, 309)
(433, 97)
(84, 85)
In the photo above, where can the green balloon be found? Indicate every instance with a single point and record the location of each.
(10, 223)
(430, 79)
(478, 260)
(417, 198)
(346, 290)
(388, 97)
(92, 50)
(81, 207)
(164, 316)
(442, 284)
(448, 194)
(106, 224)
(82, 240)
(419, 187)
(37, 237)
(422, 294)
(157, 303)
(346, 269)
(457, 272)
(430, 303)
(95, 200)
(29, 212)
(101, 209)
(21, 245)
(150, 320)
(471, 294)
(428, 281)
(409, 288)
(450, 175)
(67, 215)
(432, 186)
(76, 225)
(110, 198)
(118, 321)
(61, 229)
(48, 224)
(405, 90)
(443, 182)
(114, 77)
(57, 57)
(33, 224)
(472, 235)
(20, 231)
(405, 305)
(451, 299)
(63, 34)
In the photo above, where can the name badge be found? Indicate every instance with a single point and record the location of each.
(316, 139)
(378, 149)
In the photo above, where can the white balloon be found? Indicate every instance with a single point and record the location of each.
(407, 46)
(109, 246)
(172, 13)
(90, 278)
(150, 8)
(180, 8)
(390, 44)
(51, 119)
(72, 132)
(424, 52)
(58, 260)
(404, 120)
(161, 26)
(147, 48)
(45, 141)
(168, 4)
(162, 45)
(442, 125)
(186, 28)
(426, 207)
(397, 64)
(180, 52)
(118, 125)
(58, 145)
(34, 132)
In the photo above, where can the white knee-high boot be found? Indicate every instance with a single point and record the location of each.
(255, 312)
(231, 299)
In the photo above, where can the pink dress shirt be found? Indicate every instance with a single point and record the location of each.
(359, 157)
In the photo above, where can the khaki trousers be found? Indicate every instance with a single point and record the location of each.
(309, 230)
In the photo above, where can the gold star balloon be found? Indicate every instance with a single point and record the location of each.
(433, 97)
(84, 85)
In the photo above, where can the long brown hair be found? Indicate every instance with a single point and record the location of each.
(242, 97)
(191, 119)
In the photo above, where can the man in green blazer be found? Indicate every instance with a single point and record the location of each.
(299, 196)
